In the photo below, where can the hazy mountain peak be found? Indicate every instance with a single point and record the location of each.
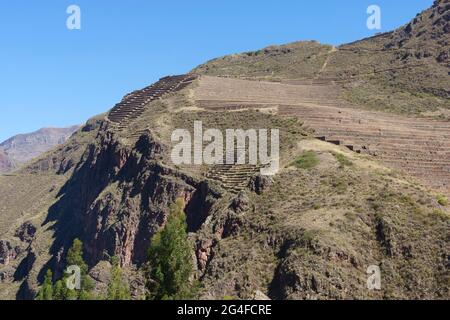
(24, 147)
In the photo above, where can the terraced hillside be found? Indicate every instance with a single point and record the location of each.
(420, 147)
(133, 105)
(416, 146)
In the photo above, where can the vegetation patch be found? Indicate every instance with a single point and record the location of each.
(442, 200)
(118, 286)
(170, 260)
(307, 160)
(309, 236)
(342, 159)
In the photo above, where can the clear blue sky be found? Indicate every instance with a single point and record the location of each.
(52, 76)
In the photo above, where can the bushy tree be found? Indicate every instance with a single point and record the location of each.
(75, 258)
(46, 290)
(118, 288)
(170, 259)
(59, 290)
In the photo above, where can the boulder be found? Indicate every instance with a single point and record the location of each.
(259, 296)
(26, 232)
(7, 252)
(259, 183)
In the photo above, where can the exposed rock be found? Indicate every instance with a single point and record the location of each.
(260, 183)
(101, 274)
(199, 205)
(6, 163)
(122, 220)
(240, 203)
(7, 274)
(232, 219)
(26, 232)
(443, 57)
(8, 252)
(91, 125)
(232, 225)
(137, 284)
(204, 253)
(259, 296)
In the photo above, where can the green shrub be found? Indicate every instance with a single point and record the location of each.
(307, 160)
(118, 287)
(342, 159)
(46, 291)
(442, 200)
(59, 290)
(309, 236)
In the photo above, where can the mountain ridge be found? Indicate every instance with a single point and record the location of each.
(402, 71)
(309, 232)
(22, 148)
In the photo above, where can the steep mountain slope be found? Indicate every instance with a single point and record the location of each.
(306, 233)
(24, 147)
(406, 70)
(309, 232)
(299, 60)
(418, 146)
(5, 162)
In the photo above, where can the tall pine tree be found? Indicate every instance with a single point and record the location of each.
(118, 288)
(170, 259)
(75, 258)
(46, 291)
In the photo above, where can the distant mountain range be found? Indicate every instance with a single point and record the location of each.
(21, 148)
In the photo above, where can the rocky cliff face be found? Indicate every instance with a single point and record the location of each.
(431, 26)
(24, 147)
(7, 252)
(117, 197)
(426, 40)
(5, 162)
